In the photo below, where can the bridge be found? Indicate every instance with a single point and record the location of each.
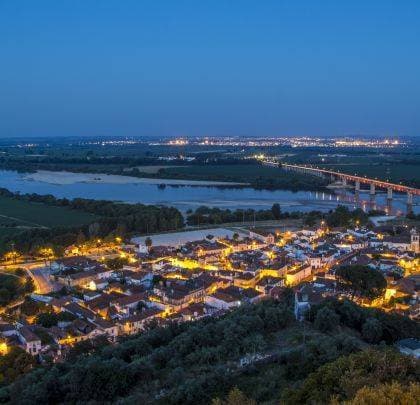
(357, 180)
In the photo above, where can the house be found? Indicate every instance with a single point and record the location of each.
(58, 304)
(179, 293)
(110, 328)
(79, 311)
(297, 274)
(278, 292)
(231, 297)
(221, 300)
(244, 280)
(144, 278)
(265, 284)
(30, 342)
(195, 311)
(403, 242)
(97, 284)
(211, 283)
(126, 303)
(315, 260)
(138, 322)
(74, 263)
(78, 331)
(263, 236)
(91, 295)
(305, 297)
(81, 278)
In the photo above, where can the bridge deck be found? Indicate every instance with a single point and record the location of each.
(362, 180)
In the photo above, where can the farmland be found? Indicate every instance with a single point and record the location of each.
(18, 215)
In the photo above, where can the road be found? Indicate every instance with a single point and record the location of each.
(41, 278)
(39, 274)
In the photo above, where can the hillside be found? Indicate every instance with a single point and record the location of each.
(259, 349)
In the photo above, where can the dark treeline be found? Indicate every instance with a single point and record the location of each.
(340, 217)
(113, 219)
(93, 163)
(193, 363)
(374, 325)
(207, 215)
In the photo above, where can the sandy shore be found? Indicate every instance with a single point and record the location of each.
(63, 178)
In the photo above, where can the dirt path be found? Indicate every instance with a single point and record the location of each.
(23, 220)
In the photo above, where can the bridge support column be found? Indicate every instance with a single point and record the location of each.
(409, 203)
(357, 191)
(389, 201)
(372, 195)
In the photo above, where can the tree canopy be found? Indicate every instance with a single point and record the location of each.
(361, 280)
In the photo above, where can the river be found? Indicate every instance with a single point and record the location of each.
(185, 197)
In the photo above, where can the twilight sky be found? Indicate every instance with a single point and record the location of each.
(209, 67)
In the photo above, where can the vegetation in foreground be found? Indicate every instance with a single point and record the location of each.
(257, 353)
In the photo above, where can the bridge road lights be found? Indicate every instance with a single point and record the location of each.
(409, 203)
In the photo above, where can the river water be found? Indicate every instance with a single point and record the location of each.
(191, 197)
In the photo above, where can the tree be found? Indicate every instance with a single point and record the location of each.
(361, 280)
(148, 242)
(276, 210)
(385, 394)
(235, 236)
(47, 319)
(94, 229)
(235, 397)
(372, 330)
(326, 320)
(15, 363)
(81, 238)
(117, 263)
(342, 378)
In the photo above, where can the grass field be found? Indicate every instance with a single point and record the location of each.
(17, 215)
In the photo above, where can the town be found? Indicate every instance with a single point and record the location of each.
(112, 289)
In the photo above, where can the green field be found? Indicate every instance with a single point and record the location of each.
(16, 215)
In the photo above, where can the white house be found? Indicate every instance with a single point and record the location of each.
(30, 341)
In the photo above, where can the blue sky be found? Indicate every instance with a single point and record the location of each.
(209, 67)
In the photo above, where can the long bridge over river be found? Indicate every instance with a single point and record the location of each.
(347, 179)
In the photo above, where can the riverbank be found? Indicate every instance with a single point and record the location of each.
(66, 178)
